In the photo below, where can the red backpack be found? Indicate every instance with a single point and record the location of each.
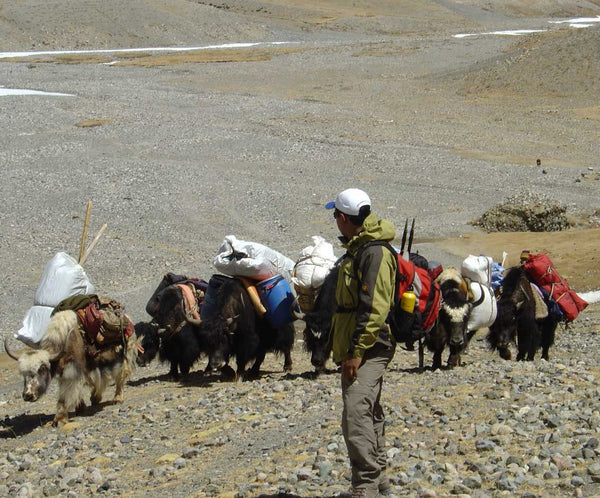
(409, 327)
(542, 272)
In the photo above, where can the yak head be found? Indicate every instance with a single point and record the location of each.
(36, 370)
(171, 309)
(216, 336)
(455, 319)
(316, 339)
(456, 307)
(503, 331)
(147, 334)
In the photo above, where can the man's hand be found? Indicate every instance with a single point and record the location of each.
(350, 368)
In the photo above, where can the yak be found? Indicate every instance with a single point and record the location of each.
(451, 326)
(249, 336)
(170, 335)
(522, 318)
(63, 354)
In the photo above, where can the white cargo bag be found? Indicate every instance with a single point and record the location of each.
(486, 309)
(238, 258)
(477, 269)
(62, 277)
(314, 263)
(35, 323)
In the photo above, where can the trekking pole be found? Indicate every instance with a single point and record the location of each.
(404, 236)
(410, 238)
(421, 355)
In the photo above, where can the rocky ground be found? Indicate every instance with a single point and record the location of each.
(417, 103)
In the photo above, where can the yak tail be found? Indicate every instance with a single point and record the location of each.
(129, 361)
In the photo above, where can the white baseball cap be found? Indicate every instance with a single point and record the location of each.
(350, 201)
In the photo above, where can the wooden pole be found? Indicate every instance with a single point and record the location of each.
(85, 230)
(94, 242)
(253, 295)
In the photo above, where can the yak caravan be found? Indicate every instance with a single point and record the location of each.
(249, 307)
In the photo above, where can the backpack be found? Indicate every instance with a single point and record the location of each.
(409, 327)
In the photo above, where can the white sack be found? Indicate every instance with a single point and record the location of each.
(484, 314)
(477, 269)
(62, 277)
(314, 263)
(251, 259)
(34, 326)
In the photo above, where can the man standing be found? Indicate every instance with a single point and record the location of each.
(362, 341)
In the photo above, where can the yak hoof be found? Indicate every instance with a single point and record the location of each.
(81, 408)
(58, 421)
(228, 373)
(505, 353)
(251, 375)
(118, 399)
(453, 361)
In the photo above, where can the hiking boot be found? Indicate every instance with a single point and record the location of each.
(364, 493)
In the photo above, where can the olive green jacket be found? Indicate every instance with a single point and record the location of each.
(364, 299)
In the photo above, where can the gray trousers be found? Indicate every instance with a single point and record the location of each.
(363, 418)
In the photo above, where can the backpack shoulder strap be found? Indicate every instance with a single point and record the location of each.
(388, 246)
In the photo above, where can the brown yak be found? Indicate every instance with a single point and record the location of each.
(63, 354)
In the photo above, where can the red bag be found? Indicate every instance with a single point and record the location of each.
(541, 271)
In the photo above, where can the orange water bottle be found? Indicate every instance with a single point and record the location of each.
(408, 300)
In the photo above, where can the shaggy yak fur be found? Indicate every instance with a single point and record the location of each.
(451, 326)
(62, 355)
(516, 320)
(248, 335)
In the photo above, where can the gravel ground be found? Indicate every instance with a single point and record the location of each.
(176, 152)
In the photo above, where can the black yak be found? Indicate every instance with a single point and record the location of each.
(318, 323)
(173, 333)
(522, 318)
(249, 336)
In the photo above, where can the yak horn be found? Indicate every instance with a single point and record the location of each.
(296, 311)
(8, 351)
(230, 320)
(193, 321)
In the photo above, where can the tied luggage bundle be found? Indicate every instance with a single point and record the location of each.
(478, 272)
(265, 273)
(61, 278)
(541, 271)
(239, 258)
(311, 268)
